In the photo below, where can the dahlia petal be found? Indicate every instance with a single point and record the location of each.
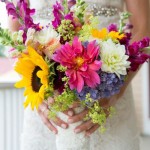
(72, 74)
(80, 82)
(92, 49)
(93, 80)
(84, 67)
(96, 65)
(77, 45)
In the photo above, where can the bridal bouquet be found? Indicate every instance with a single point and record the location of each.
(71, 59)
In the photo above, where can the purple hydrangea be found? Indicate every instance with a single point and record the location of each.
(110, 85)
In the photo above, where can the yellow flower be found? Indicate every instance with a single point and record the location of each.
(100, 34)
(34, 71)
(115, 35)
(104, 34)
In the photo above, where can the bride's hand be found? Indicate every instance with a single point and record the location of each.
(89, 127)
(43, 112)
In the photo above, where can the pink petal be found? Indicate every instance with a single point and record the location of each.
(77, 45)
(93, 80)
(96, 65)
(83, 67)
(92, 49)
(80, 82)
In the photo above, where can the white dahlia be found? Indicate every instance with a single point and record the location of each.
(113, 58)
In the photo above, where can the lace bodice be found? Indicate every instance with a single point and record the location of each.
(121, 133)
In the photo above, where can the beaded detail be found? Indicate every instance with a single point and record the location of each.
(106, 11)
(45, 13)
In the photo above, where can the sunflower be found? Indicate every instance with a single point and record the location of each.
(34, 71)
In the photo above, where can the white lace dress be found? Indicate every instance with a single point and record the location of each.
(121, 131)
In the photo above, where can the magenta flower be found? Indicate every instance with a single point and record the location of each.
(81, 62)
(136, 55)
(58, 15)
(11, 10)
(112, 27)
(57, 12)
(23, 13)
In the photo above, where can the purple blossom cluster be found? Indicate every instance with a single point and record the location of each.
(136, 53)
(59, 16)
(110, 85)
(23, 13)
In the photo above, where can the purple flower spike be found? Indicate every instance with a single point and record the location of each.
(136, 55)
(144, 43)
(57, 9)
(112, 27)
(11, 10)
(23, 13)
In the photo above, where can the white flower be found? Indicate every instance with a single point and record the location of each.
(45, 35)
(30, 36)
(113, 58)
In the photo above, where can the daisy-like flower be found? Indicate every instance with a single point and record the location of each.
(34, 71)
(113, 58)
(81, 62)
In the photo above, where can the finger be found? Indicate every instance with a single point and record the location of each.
(78, 117)
(47, 122)
(75, 105)
(60, 123)
(42, 107)
(84, 126)
(91, 130)
(69, 112)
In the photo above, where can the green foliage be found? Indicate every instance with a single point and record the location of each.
(80, 10)
(66, 30)
(7, 40)
(61, 68)
(85, 33)
(97, 113)
(49, 92)
(65, 4)
(123, 17)
(62, 102)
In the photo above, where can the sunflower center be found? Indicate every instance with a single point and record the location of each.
(79, 61)
(36, 84)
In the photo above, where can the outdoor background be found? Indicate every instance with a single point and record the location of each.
(11, 100)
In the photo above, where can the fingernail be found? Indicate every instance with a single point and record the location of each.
(64, 126)
(77, 130)
(70, 113)
(70, 121)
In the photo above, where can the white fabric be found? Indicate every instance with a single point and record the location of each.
(121, 131)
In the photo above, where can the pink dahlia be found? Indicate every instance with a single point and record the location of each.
(81, 62)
